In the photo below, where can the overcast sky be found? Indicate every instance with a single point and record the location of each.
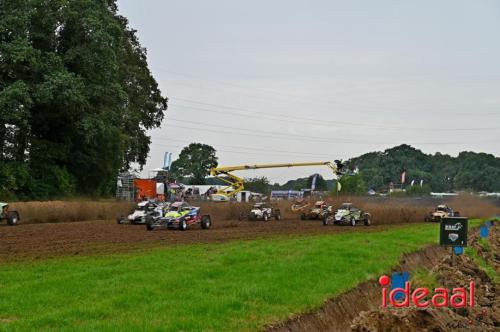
(297, 81)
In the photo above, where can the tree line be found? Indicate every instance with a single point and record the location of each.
(76, 98)
(439, 172)
(375, 170)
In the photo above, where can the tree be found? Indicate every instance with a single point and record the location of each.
(76, 96)
(353, 185)
(258, 185)
(195, 162)
(468, 171)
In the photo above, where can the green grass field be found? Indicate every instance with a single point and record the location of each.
(241, 285)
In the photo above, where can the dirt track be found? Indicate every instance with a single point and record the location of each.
(39, 241)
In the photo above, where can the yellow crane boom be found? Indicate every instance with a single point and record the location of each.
(238, 184)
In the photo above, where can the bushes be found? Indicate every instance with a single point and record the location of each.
(19, 182)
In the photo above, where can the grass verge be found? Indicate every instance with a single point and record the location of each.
(217, 287)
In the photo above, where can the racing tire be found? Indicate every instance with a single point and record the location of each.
(367, 221)
(265, 217)
(325, 221)
(277, 216)
(353, 222)
(13, 218)
(303, 216)
(183, 226)
(206, 222)
(456, 214)
(149, 223)
(120, 219)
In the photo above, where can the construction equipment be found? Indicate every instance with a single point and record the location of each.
(237, 184)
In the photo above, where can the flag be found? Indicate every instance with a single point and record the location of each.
(421, 183)
(313, 182)
(403, 177)
(412, 183)
(339, 186)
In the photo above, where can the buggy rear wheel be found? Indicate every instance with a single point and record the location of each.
(278, 215)
(325, 221)
(206, 222)
(149, 224)
(367, 221)
(13, 218)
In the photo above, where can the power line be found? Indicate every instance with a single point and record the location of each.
(355, 107)
(244, 147)
(235, 152)
(302, 138)
(325, 123)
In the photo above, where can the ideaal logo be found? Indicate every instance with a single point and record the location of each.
(441, 297)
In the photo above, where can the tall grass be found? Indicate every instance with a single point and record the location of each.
(384, 210)
(67, 211)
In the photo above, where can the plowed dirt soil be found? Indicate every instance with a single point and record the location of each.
(40, 241)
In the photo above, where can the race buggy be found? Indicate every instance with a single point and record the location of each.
(348, 215)
(12, 217)
(261, 211)
(180, 216)
(441, 211)
(319, 211)
(143, 211)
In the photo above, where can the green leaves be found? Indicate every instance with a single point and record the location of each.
(76, 95)
(195, 162)
(441, 173)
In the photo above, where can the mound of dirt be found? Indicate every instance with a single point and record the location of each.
(359, 309)
(338, 313)
(450, 273)
(409, 320)
(490, 252)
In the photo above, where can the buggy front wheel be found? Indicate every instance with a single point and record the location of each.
(183, 226)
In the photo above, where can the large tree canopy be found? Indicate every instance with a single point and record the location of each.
(76, 97)
(195, 162)
(467, 171)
